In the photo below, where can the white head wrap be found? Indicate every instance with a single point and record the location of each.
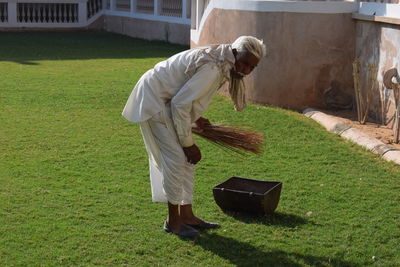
(250, 44)
(243, 45)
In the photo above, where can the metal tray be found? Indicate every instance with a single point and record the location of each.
(248, 195)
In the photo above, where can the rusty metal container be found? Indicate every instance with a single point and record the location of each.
(248, 195)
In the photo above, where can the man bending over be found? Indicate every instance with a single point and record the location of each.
(167, 100)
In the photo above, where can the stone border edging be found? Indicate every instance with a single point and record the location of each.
(344, 130)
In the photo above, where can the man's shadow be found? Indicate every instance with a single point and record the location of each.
(243, 254)
(282, 219)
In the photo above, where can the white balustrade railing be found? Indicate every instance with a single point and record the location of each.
(93, 7)
(142, 6)
(80, 13)
(47, 13)
(176, 11)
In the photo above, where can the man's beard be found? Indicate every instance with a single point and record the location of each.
(237, 91)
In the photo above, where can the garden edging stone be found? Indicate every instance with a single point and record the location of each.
(333, 124)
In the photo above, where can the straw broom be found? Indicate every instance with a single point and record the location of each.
(372, 82)
(231, 139)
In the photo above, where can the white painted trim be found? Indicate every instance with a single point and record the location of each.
(380, 9)
(82, 13)
(184, 9)
(147, 17)
(133, 6)
(157, 7)
(286, 6)
(12, 13)
(273, 6)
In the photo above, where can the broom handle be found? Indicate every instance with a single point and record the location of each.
(356, 77)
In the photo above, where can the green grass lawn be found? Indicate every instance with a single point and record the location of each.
(74, 185)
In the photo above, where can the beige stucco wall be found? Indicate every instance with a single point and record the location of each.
(309, 53)
(147, 29)
(378, 43)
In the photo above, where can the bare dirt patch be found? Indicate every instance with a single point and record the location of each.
(381, 132)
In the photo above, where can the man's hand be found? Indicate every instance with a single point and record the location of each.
(192, 153)
(201, 122)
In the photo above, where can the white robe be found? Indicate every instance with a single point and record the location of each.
(166, 101)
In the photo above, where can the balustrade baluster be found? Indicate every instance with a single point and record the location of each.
(28, 12)
(27, 7)
(76, 12)
(2, 12)
(19, 6)
(74, 7)
(65, 13)
(36, 11)
(20, 12)
(30, 8)
(51, 7)
(40, 13)
(58, 13)
(61, 12)
(70, 12)
(24, 11)
(47, 13)
(89, 9)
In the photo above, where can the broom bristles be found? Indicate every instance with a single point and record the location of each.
(232, 139)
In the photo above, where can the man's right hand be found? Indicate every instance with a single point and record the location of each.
(193, 154)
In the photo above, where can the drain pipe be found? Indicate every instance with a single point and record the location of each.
(344, 130)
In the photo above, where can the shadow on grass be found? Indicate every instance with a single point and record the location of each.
(242, 254)
(26, 47)
(282, 219)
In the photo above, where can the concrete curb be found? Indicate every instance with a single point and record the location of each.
(344, 130)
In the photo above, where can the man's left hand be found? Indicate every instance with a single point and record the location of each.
(202, 122)
(193, 154)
